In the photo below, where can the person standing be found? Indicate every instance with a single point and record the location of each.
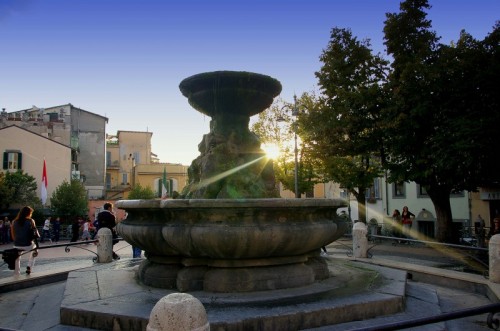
(56, 229)
(86, 227)
(107, 219)
(396, 225)
(3, 240)
(407, 220)
(480, 231)
(75, 230)
(7, 224)
(22, 230)
(495, 229)
(46, 230)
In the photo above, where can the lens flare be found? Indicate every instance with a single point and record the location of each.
(272, 150)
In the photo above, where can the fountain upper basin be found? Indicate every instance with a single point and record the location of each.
(230, 92)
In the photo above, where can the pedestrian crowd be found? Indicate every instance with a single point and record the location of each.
(22, 231)
(402, 224)
(5, 236)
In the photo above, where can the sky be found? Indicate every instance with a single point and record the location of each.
(124, 59)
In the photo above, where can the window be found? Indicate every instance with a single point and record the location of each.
(457, 194)
(124, 179)
(137, 157)
(171, 187)
(108, 181)
(344, 194)
(157, 184)
(421, 192)
(12, 160)
(108, 159)
(398, 190)
(374, 191)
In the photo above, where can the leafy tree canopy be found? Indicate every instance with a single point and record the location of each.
(18, 189)
(139, 192)
(6, 192)
(429, 116)
(344, 127)
(445, 109)
(70, 199)
(277, 126)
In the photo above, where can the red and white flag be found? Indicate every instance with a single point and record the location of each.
(44, 183)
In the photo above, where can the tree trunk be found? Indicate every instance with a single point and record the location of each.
(440, 197)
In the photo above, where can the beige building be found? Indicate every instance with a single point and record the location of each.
(25, 150)
(84, 132)
(130, 161)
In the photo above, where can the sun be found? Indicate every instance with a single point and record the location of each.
(272, 150)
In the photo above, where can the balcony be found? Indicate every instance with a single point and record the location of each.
(113, 165)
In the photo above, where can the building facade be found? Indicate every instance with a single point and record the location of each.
(130, 162)
(25, 150)
(82, 131)
(384, 197)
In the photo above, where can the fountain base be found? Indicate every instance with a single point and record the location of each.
(223, 276)
(115, 299)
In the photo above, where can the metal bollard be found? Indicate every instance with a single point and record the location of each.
(104, 246)
(178, 311)
(494, 254)
(359, 240)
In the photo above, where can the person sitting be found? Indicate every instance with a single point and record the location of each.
(107, 219)
(24, 233)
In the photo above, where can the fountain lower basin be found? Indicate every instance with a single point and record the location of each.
(231, 245)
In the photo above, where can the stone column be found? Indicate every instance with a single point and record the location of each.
(359, 240)
(178, 311)
(104, 246)
(494, 252)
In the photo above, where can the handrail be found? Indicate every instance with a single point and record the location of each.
(493, 320)
(71, 243)
(435, 243)
(430, 242)
(66, 245)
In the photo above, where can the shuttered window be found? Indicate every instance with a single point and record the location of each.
(12, 160)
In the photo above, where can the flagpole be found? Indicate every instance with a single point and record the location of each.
(44, 184)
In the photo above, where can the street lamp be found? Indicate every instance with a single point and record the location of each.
(295, 113)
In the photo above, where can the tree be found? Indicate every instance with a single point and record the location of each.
(276, 126)
(5, 192)
(22, 188)
(139, 192)
(69, 199)
(344, 128)
(445, 109)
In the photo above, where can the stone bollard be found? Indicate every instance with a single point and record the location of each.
(178, 311)
(494, 254)
(104, 245)
(359, 240)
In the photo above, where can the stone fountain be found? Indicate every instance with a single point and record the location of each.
(252, 259)
(230, 232)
